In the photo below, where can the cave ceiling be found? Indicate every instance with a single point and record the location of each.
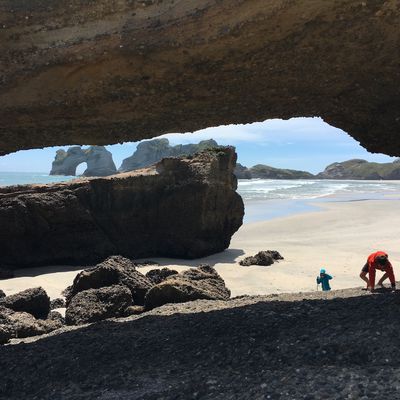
(109, 71)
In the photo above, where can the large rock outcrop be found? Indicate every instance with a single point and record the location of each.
(361, 169)
(98, 159)
(103, 72)
(152, 151)
(181, 207)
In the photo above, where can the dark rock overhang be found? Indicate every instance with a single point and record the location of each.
(103, 72)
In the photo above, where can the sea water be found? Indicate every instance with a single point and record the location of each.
(271, 198)
(267, 198)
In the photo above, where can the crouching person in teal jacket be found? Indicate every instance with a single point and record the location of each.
(324, 279)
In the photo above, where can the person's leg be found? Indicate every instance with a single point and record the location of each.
(384, 276)
(363, 276)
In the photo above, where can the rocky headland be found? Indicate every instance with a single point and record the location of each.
(180, 207)
(361, 169)
(98, 159)
(307, 346)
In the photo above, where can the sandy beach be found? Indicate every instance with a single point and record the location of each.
(338, 237)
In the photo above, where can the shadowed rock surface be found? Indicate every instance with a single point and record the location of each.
(97, 304)
(152, 151)
(159, 275)
(196, 283)
(104, 72)
(33, 301)
(22, 324)
(265, 258)
(98, 159)
(181, 207)
(57, 303)
(116, 270)
(361, 169)
(244, 348)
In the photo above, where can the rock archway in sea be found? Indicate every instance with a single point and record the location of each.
(105, 72)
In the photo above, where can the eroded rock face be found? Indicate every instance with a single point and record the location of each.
(196, 283)
(97, 304)
(98, 158)
(264, 258)
(159, 275)
(116, 270)
(182, 207)
(104, 72)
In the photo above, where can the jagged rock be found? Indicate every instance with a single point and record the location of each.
(2, 294)
(98, 159)
(262, 258)
(33, 301)
(115, 270)
(57, 303)
(5, 333)
(361, 169)
(159, 275)
(245, 61)
(19, 324)
(181, 207)
(6, 274)
(196, 283)
(152, 151)
(97, 304)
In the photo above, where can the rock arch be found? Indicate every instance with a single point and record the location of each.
(105, 72)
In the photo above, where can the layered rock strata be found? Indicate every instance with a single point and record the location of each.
(181, 207)
(104, 72)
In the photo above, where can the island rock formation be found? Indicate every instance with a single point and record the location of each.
(152, 151)
(361, 169)
(261, 171)
(102, 72)
(98, 158)
(180, 207)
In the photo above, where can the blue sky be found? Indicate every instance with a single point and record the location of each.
(299, 143)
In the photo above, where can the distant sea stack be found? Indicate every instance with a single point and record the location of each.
(98, 159)
(361, 169)
(151, 151)
(261, 171)
(180, 207)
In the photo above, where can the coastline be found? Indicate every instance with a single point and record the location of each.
(337, 236)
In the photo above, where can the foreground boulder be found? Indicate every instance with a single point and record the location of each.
(181, 207)
(159, 275)
(22, 324)
(97, 304)
(262, 258)
(115, 270)
(33, 301)
(196, 283)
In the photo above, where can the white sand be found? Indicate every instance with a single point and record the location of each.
(338, 238)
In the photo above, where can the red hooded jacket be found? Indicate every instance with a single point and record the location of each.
(373, 266)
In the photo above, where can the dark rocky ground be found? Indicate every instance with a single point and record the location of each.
(341, 345)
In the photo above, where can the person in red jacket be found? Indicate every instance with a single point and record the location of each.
(378, 260)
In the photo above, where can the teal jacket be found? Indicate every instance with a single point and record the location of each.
(324, 281)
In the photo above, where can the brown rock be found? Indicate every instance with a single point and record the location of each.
(57, 303)
(115, 270)
(34, 301)
(145, 70)
(196, 283)
(97, 304)
(262, 258)
(184, 208)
